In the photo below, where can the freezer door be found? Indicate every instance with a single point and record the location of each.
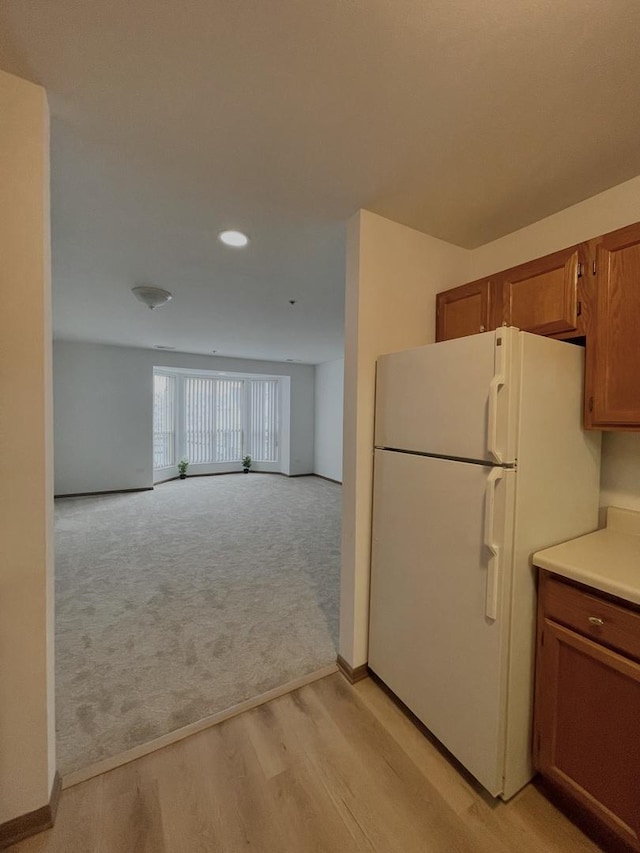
(456, 398)
(439, 623)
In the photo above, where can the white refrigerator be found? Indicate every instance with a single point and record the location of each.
(480, 460)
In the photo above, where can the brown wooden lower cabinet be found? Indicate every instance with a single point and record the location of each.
(587, 707)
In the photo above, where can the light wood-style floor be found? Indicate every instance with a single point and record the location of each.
(329, 767)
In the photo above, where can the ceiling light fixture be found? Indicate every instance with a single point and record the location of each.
(152, 297)
(161, 346)
(236, 239)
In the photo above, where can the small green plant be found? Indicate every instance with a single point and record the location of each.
(183, 464)
(246, 462)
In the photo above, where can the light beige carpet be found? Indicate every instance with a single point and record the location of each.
(175, 604)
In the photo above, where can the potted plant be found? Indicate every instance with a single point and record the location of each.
(246, 463)
(183, 464)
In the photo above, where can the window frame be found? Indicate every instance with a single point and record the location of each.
(281, 442)
(176, 407)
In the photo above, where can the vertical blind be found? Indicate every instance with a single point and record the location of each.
(213, 419)
(164, 420)
(263, 406)
(221, 419)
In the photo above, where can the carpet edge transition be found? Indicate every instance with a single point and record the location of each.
(115, 761)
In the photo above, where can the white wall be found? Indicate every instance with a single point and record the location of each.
(393, 274)
(103, 410)
(27, 731)
(620, 474)
(329, 409)
(614, 208)
(604, 212)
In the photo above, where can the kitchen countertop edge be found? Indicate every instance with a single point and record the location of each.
(595, 581)
(607, 560)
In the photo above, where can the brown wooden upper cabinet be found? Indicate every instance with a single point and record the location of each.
(590, 291)
(612, 386)
(541, 296)
(464, 310)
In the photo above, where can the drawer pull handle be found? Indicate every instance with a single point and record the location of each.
(596, 620)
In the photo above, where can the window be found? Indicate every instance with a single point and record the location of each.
(213, 419)
(164, 420)
(263, 440)
(220, 419)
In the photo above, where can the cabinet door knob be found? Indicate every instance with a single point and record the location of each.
(482, 329)
(596, 620)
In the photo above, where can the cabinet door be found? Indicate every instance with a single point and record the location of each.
(612, 395)
(587, 727)
(464, 310)
(542, 295)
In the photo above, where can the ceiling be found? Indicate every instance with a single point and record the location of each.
(172, 121)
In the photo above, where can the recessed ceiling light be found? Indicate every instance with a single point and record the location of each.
(233, 238)
(161, 346)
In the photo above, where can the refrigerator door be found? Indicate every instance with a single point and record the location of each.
(456, 398)
(440, 583)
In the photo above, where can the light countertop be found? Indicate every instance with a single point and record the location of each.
(608, 560)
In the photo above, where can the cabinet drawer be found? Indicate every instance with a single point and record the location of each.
(611, 624)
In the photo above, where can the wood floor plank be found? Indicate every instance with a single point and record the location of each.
(354, 771)
(529, 823)
(401, 784)
(329, 768)
(137, 826)
(190, 811)
(246, 819)
(329, 761)
(457, 790)
(310, 819)
(544, 827)
(261, 728)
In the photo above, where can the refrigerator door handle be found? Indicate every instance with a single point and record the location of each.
(493, 565)
(495, 385)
